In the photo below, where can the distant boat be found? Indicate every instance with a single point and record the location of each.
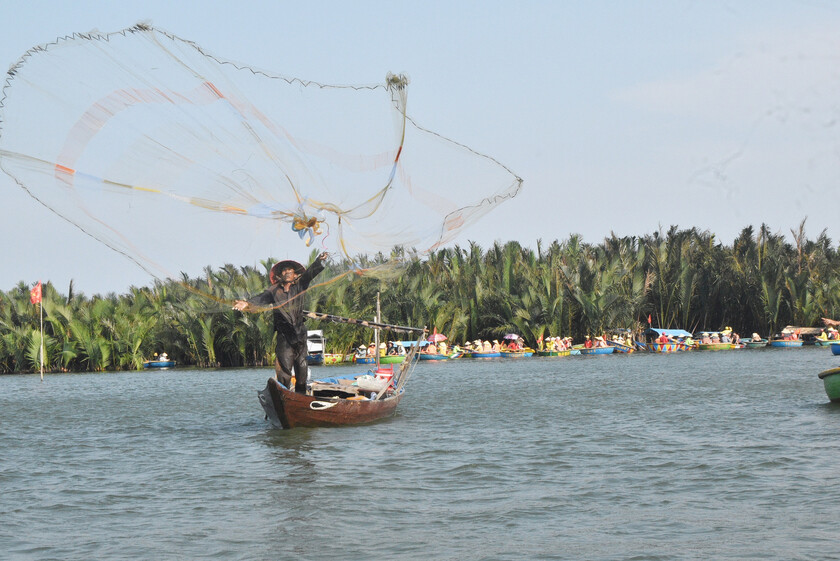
(714, 346)
(315, 344)
(391, 359)
(787, 343)
(332, 358)
(496, 354)
(673, 345)
(620, 347)
(831, 381)
(552, 353)
(756, 344)
(517, 354)
(432, 356)
(597, 351)
(159, 364)
(365, 360)
(666, 347)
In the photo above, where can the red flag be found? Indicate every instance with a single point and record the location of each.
(35, 294)
(540, 340)
(648, 319)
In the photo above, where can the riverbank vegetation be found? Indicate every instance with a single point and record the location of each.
(682, 278)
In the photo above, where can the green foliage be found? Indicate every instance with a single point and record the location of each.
(683, 278)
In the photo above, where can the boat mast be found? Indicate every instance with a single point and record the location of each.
(376, 332)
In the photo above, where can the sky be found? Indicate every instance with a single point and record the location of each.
(620, 117)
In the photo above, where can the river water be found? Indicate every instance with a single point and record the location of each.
(699, 455)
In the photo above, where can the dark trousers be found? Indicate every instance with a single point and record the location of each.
(289, 356)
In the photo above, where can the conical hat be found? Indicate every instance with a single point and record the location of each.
(274, 274)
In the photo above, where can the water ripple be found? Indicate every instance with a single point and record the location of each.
(698, 456)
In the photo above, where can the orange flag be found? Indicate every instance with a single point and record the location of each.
(35, 294)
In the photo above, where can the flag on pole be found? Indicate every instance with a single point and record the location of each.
(649, 319)
(35, 294)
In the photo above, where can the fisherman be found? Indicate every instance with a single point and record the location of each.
(289, 280)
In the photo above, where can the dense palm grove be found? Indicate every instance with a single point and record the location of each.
(681, 278)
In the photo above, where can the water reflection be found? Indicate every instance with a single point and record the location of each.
(291, 451)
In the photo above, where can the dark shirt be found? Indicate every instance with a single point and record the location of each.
(288, 305)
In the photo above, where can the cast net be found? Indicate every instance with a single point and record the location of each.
(180, 159)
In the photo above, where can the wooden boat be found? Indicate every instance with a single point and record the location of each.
(158, 364)
(491, 354)
(597, 351)
(831, 381)
(714, 346)
(552, 353)
(756, 344)
(341, 400)
(786, 343)
(332, 403)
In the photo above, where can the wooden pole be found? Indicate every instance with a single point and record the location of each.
(376, 332)
(41, 305)
(362, 323)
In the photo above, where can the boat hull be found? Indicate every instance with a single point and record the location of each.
(486, 355)
(831, 381)
(158, 364)
(835, 349)
(714, 346)
(666, 347)
(597, 351)
(333, 359)
(315, 359)
(288, 409)
(552, 353)
(392, 359)
(620, 348)
(786, 344)
(756, 344)
(517, 354)
(425, 356)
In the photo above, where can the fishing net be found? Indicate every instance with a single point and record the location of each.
(179, 159)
